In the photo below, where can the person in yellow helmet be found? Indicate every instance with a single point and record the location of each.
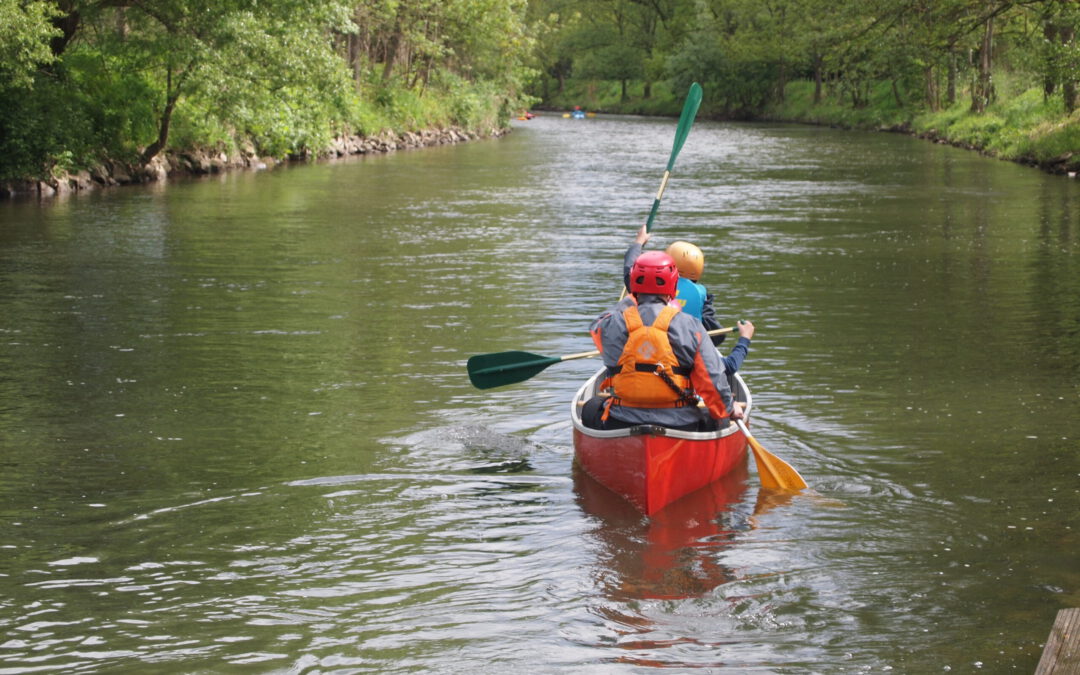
(692, 297)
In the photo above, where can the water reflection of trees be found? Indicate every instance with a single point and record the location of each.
(1056, 277)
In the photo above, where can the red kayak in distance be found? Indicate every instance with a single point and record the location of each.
(652, 466)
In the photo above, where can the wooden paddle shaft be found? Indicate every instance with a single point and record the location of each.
(582, 355)
(663, 185)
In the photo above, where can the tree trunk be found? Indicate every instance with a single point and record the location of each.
(171, 97)
(122, 25)
(68, 24)
(392, 53)
(818, 77)
(1050, 66)
(1068, 74)
(933, 98)
(950, 90)
(781, 81)
(352, 46)
(982, 94)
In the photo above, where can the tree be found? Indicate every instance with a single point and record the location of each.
(553, 23)
(25, 32)
(1061, 50)
(229, 53)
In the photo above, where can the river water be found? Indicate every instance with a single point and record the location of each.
(236, 432)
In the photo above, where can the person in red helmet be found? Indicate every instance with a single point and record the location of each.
(660, 361)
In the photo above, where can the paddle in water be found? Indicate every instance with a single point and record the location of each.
(773, 472)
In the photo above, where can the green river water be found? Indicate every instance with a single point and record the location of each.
(236, 432)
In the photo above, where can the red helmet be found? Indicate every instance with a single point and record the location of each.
(654, 272)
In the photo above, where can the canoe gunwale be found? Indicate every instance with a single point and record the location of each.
(652, 466)
(741, 393)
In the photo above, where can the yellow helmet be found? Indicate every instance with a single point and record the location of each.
(688, 258)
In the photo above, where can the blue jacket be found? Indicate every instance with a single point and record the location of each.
(691, 297)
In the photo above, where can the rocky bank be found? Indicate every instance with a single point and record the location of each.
(203, 162)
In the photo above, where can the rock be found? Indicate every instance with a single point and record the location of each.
(119, 172)
(18, 187)
(205, 161)
(157, 169)
(83, 180)
(100, 174)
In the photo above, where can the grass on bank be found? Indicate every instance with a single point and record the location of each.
(1026, 127)
(1021, 125)
(293, 125)
(882, 111)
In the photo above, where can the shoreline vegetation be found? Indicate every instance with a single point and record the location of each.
(1019, 127)
(998, 76)
(103, 92)
(95, 92)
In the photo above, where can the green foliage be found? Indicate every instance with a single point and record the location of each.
(877, 64)
(36, 132)
(129, 79)
(606, 96)
(612, 62)
(880, 110)
(1025, 127)
(1059, 140)
(25, 31)
(736, 84)
(117, 100)
(284, 76)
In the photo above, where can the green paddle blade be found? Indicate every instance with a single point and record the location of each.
(495, 370)
(686, 120)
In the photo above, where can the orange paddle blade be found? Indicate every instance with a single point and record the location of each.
(773, 472)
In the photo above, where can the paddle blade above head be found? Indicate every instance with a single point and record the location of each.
(686, 120)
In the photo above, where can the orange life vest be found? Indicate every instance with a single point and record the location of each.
(648, 374)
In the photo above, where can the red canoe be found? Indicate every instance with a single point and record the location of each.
(652, 466)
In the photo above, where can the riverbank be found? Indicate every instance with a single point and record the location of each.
(201, 162)
(1020, 126)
